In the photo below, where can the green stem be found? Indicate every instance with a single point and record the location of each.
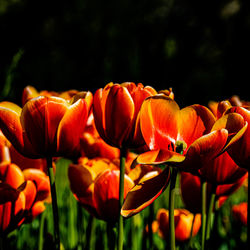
(121, 196)
(191, 233)
(90, 233)
(203, 212)
(210, 212)
(171, 208)
(41, 231)
(150, 222)
(111, 235)
(134, 234)
(54, 203)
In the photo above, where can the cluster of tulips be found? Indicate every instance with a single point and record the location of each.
(127, 144)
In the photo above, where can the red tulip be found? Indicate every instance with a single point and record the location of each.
(95, 185)
(30, 92)
(240, 212)
(116, 109)
(167, 129)
(43, 128)
(191, 191)
(183, 223)
(240, 150)
(188, 139)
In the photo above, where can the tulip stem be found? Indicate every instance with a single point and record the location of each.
(111, 232)
(54, 203)
(171, 208)
(191, 233)
(150, 222)
(123, 153)
(210, 212)
(41, 231)
(203, 212)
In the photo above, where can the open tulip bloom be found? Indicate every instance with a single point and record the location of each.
(186, 139)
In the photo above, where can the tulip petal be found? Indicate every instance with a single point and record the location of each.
(12, 175)
(156, 157)
(119, 114)
(99, 103)
(71, 127)
(10, 124)
(37, 209)
(159, 122)
(144, 193)
(29, 92)
(41, 181)
(30, 194)
(240, 150)
(222, 170)
(81, 178)
(8, 193)
(204, 149)
(40, 119)
(194, 121)
(106, 193)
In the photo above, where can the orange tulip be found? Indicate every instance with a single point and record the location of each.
(167, 130)
(240, 212)
(20, 191)
(11, 209)
(30, 92)
(46, 126)
(191, 191)
(95, 184)
(183, 223)
(116, 109)
(188, 139)
(240, 150)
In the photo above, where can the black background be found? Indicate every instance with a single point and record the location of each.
(199, 48)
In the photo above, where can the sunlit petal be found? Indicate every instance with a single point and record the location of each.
(71, 127)
(160, 157)
(194, 121)
(159, 121)
(144, 193)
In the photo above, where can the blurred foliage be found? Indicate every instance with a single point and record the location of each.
(200, 48)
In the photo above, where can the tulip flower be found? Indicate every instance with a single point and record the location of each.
(116, 110)
(44, 126)
(168, 130)
(183, 224)
(43, 129)
(191, 191)
(19, 196)
(186, 138)
(31, 92)
(95, 184)
(240, 150)
(240, 212)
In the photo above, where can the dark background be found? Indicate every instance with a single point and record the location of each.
(199, 48)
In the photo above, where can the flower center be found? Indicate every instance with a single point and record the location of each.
(180, 146)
